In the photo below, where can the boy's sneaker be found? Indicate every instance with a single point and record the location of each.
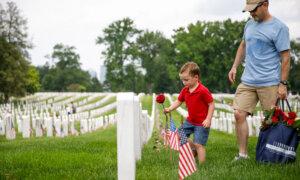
(240, 157)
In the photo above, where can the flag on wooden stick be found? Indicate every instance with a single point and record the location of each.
(174, 139)
(187, 164)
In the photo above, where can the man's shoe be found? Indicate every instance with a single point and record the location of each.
(240, 158)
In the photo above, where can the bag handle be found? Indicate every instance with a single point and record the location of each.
(282, 104)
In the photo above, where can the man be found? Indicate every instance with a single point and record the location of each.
(266, 50)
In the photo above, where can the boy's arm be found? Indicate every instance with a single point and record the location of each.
(175, 105)
(207, 122)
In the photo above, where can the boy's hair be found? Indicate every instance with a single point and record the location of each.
(192, 68)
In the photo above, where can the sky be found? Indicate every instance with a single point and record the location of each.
(79, 22)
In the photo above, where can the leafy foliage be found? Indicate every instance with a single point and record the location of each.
(65, 74)
(155, 53)
(16, 75)
(13, 27)
(212, 45)
(120, 55)
(294, 77)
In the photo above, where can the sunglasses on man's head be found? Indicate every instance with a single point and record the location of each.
(259, 4)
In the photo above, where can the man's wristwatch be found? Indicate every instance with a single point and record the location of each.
(284, 82)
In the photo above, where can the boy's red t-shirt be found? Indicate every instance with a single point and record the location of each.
(196, 103)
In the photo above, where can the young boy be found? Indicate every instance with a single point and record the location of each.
(199, 103)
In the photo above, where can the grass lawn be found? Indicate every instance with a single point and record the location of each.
(160, 163)
(88, 156)
(94, 156)
(221, 149)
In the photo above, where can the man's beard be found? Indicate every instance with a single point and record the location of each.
(255, 18)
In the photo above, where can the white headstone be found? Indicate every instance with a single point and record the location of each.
(26, 126)
(57, 126)
(2, 127)
(38, 128)
(49, 126)
(10, 130)
(125, 136)
(65, 127)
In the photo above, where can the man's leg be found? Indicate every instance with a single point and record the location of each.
(244, 103)
(242, 131)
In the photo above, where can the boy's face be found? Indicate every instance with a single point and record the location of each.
(188, 80)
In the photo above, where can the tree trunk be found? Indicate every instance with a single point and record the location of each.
(6, 98)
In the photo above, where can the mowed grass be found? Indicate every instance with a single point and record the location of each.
(94, 156)
(159, 162)
(88, 156)
(221, 148)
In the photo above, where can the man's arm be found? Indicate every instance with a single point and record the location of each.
(240, 55)
(175, 105)
(207, 121)
(285, 68)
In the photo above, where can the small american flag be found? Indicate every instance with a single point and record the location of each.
(174, 141)
(187, 164)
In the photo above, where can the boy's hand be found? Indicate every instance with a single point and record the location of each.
(206, 123)
(167, 110)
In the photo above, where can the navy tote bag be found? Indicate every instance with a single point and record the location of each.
(278, 143)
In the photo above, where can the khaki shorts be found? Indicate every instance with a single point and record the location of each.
(246, 97)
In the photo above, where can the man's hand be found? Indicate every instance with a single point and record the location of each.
(206, 123)
(282, 91)
(231, 75)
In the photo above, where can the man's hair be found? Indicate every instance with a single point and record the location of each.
(192, 68)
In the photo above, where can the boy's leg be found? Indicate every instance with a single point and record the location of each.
(193, 147)
(201, 153)
(244, 103)
(200, 139)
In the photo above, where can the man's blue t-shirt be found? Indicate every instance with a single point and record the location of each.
(264, 42)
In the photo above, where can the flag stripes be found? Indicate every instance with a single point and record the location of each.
(174, 139)
(187, 164)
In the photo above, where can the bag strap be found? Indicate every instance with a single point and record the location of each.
(282, 104)
(288, 104)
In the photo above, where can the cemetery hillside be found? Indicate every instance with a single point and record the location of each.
(59, 121)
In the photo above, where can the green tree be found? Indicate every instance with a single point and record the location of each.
(65, 74)
(157, 58)
(13, 66)
(119, 38)
(294, 77)
(96, 85)
(16, 77)
(212, 45)
(13, 27)
(32, 84)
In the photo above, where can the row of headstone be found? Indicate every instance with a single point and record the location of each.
(94, 105)
(225, 121)
(52, 126)
(97, 112)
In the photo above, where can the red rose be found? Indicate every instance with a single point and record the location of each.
(160, 98)
(290, 122)
(275, 119)
(285, 117)
(278, 112)
(292, 115)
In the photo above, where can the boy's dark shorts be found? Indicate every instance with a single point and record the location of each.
(200, 133)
